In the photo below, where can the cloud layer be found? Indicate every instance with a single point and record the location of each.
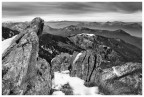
(15, 9)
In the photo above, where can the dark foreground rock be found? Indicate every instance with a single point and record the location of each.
(22, 72)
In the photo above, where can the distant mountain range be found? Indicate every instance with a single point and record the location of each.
(133, 28)
(117, 29)
(72, 30)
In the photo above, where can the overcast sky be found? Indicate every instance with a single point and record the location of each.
(72, 11)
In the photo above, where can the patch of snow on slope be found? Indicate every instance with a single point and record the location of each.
(76, 58)
(58, 93)
(87, 34)
(90, 34)
(6, 43)
(75, 83)
(115, 71)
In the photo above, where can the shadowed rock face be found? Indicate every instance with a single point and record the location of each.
(22, 73)
(8, 33)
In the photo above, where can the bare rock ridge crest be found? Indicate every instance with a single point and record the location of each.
(23, 71)
(29, 63)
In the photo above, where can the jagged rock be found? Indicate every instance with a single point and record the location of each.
(84, 40)
(114, 80)
(61, 62)
(84, 64)
(104, 67)
(67, 89)
(121, 79)
(19, 64)
(119, 51)
(134, 80)
(119, 71)
(42, 81)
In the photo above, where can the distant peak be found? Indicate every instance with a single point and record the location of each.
(120, 31)
(37, 24)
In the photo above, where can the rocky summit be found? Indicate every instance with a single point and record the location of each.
(32, 58)
(23, 72)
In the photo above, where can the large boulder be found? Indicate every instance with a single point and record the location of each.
(118, 80)
(84, 40)
(20, 70)
(61, 62)
(42, 82)
(84, 64)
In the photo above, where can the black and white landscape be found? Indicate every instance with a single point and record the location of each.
(72, 48)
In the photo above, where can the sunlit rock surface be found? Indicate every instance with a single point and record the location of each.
(21, 73)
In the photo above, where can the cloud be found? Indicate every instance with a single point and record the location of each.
(71, 9)
(128, 6)
(28, 8)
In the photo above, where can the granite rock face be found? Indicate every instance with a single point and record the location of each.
(22, 73)
(117, 80)
(124, 79)
(95, 65)
(61, 62)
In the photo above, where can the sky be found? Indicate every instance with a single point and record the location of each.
(72, 11)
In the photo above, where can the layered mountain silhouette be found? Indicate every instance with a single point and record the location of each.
(110, 60)
(133, 28)
(89, 27)
(72, 29)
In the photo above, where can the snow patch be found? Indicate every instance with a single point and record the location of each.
(76, 58)
(6, 43)
(87, 34)
(58, 93)
(75, 83)
(90, 34)
(115, 71)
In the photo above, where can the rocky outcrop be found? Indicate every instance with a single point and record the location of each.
(88, 65)
(61, 62)
(42, 81)
(124, 79)
(85, 41)
(120, 50)
(22, 71)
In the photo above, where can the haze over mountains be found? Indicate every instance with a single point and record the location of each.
(133, 28)
(129, 32)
